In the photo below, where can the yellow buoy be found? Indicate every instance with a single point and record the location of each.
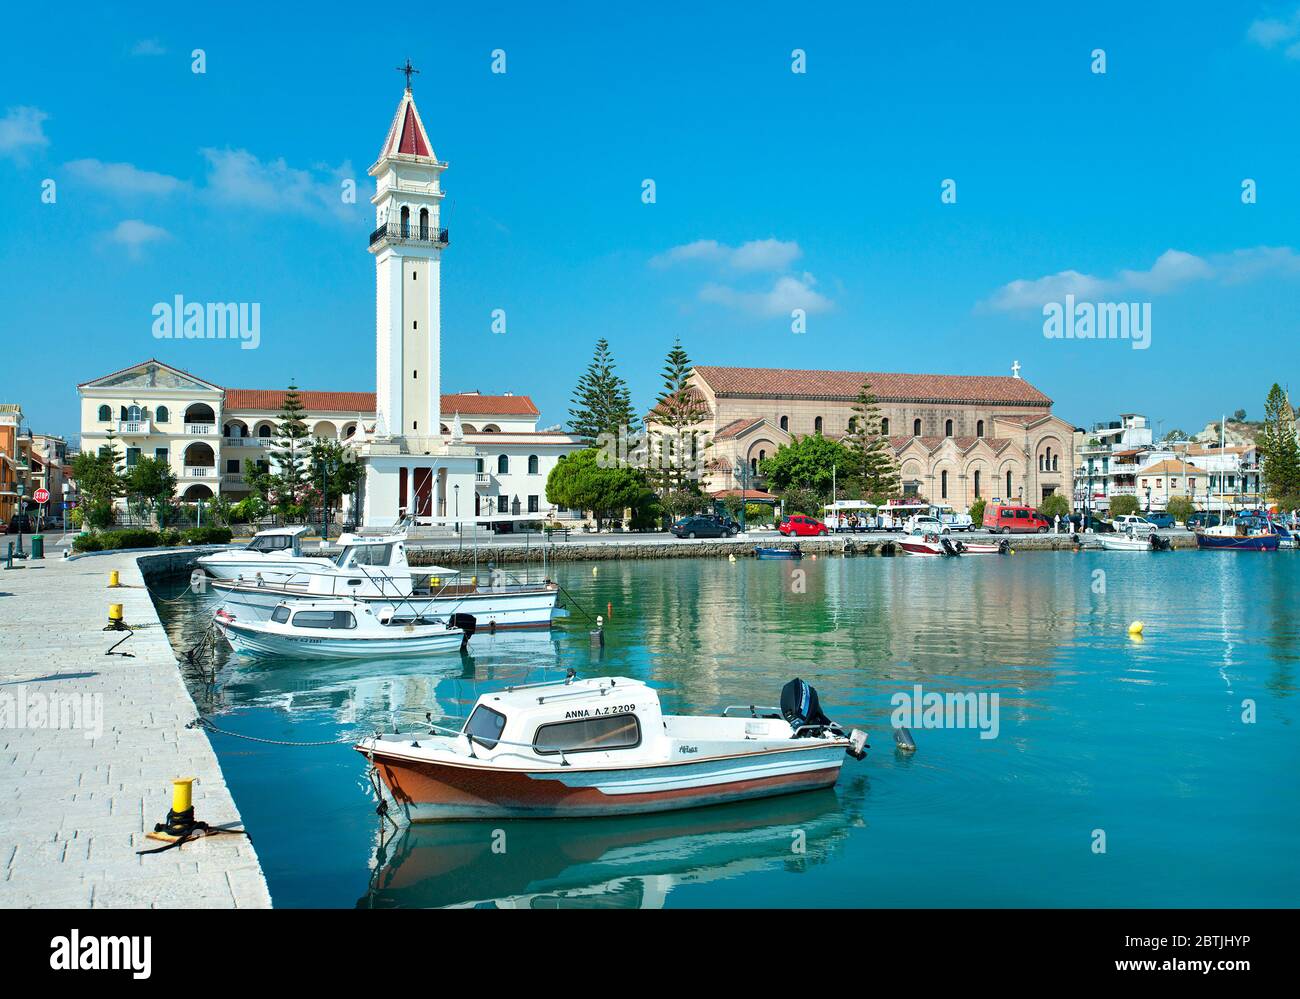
(112, 579)
(595, 569)
(731, 558)
(1135, 628)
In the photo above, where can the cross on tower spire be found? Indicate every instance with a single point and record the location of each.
(408, 69)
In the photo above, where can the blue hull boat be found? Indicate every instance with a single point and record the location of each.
(786, 553)
(1239, 542)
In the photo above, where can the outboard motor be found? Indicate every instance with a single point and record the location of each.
(1004, 546)
(1159, 543)
(801, 707)
(467, 623)
(946, 544)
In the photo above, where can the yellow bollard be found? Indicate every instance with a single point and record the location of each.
(183, 794)
(112, 580)
(114, 613)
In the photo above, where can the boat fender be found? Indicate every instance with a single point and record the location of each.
(857, 747)
(903, 740)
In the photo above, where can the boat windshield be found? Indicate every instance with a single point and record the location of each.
(485, 725)
(270, 543)
(372, 555)
(337, 620)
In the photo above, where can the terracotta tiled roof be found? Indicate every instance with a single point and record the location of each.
(473, 404)
(692, 394)
(735, 428)
(314, 402)
(467, 403)
(963, 444)
(748, 494)
(790, 383)
(1171, 466)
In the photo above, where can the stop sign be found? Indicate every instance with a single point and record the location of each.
(41, 495)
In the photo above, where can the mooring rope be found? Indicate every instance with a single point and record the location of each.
(202, 722)
(574, 601)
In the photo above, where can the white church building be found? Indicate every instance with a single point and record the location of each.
(442, 459)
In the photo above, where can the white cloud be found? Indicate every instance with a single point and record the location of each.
(786, 294)
(1272, 32)
(237, 177)
(22, 129)
(756, 255)
(123, 178)
(148, 47)
(1172, 270)
(136, 235)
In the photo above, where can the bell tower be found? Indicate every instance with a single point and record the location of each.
(407, 245)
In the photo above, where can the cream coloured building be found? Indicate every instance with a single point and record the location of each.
(956, 438)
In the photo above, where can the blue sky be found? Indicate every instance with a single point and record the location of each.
(773, 190)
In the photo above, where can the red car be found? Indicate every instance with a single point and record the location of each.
(798, 526)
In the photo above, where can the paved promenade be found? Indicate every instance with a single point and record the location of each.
(76, 802)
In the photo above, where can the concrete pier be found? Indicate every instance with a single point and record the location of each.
(89, 745)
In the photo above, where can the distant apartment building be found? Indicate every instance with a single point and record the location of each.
(212, 435)
(1122, 458)
(29, 462)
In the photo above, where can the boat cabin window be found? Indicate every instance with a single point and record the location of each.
(271, 543)
(366, 555)
(485, 725)
(281, 615)
(338, 620)
(588, 735)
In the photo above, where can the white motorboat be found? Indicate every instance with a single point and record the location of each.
(1122, 541)
(375, 571)
(929, 545)
(274, 554)
(604, 747)
(341, 629)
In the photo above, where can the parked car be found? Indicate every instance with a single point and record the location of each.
(798, 525)
(1012, 518)
(1202, 519)
(1162, 520)
(1134, 524)
(699, 527)
(732, 527)
(953, 520)
(20, 523)
(926, 524)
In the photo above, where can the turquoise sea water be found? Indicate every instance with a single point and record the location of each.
(1144, 742)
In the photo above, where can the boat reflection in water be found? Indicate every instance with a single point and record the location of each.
(633, 862)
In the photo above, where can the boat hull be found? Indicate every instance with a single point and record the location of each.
(531, 608)
(263, 645)
(431, 791)
(777, 553)
(272, 570)
(1231, 543)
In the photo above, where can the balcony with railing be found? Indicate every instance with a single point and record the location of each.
(398, 232)
(200, 472)
(200, 429)
(245, 441)
(134, 428)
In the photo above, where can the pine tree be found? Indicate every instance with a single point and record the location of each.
(602, 401)
(1278, 447)
(874, 457)
(292, 450)
(678, 410)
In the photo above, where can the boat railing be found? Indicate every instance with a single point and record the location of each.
(753, 709)
(492, 743)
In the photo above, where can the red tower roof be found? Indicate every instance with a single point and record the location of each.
(406, 134)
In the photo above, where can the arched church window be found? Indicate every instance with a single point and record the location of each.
(947, 428)
(979, 428)
(406, 220)
(916, 428)
(884, 428)
(424, 223)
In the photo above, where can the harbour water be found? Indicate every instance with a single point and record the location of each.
(1159, 772)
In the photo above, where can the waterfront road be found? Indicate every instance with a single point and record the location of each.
(89, 745)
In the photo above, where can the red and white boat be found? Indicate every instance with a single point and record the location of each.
(941, 546)
(603, 747)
